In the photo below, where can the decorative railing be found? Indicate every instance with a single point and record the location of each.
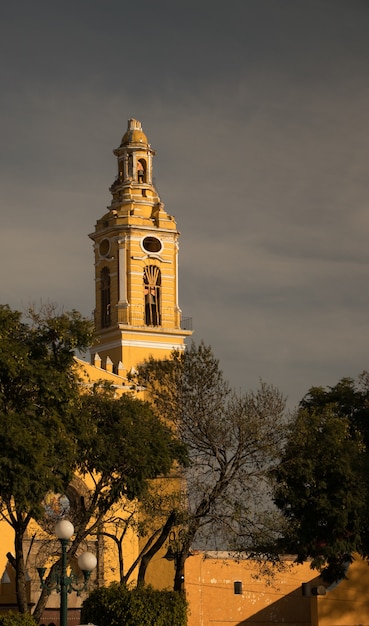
(186, 323)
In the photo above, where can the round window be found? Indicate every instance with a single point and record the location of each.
(104, 247)
(152, 244)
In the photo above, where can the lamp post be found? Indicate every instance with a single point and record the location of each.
(60, 581)
(174, 553)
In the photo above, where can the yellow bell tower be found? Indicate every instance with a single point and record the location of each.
(136, 266)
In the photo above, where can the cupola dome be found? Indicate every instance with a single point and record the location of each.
(134, 134)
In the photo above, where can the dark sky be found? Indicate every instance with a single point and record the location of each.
(258, 110)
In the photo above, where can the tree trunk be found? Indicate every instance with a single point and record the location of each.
(42, 601)
(146, 558)
(179, 572)
(20, 571)
(183, 554)
(181, 557)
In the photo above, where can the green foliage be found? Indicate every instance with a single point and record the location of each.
(17, 619)
(348, 399)
(39, 394)
(322, 482)
(140, 445)
(118, 606)
(39, 402)
(121, 445)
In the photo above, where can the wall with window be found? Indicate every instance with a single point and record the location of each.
(231, 592)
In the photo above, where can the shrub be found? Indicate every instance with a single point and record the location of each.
(118, 606)
(17, 619)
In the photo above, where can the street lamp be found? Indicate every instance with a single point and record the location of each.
(174, 553)
(60, 581)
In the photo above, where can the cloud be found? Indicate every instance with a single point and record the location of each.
(258, 113)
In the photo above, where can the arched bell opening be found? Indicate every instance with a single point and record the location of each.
(141, 171)
(152, 285)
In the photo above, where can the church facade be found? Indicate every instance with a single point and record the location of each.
(137, 315)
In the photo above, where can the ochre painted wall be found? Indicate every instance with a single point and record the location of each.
(277, 600)
(346, 604)
(265, 599)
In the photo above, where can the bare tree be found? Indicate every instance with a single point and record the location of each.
(233, 441)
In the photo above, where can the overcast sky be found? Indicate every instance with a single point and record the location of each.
(258, 110)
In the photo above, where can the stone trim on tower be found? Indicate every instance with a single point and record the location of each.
(136, 262)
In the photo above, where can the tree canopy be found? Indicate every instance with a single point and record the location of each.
(52, 427)
(140, 445)
(322, 482)
(233, 440)
(39, 395)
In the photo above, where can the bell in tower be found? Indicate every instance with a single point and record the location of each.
(136, 264)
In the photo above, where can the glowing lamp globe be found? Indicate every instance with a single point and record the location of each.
(87, 562)
(64, 529)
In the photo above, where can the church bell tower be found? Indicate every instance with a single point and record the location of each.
(136, 266)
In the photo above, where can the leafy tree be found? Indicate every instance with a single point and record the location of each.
(233, 440)
(140, 446)
(39, 394)
(322, 482)
(121, 446)
(49, 431)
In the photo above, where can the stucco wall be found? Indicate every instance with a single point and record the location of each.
(276, 599)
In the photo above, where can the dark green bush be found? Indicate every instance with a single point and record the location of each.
(17, 619)
(118, 606)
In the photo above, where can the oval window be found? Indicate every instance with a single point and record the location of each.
(151, 244)
(104, 247)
